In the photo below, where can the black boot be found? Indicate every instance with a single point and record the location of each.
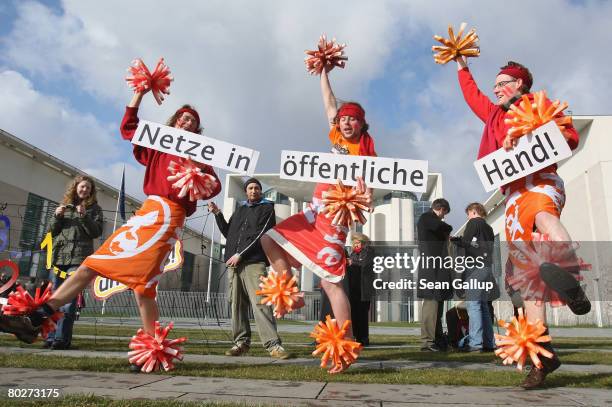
(568, 288)
(134, 368)
(26, 328)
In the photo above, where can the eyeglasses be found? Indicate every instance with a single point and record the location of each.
(502, 84)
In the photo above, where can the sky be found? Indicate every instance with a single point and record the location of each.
(63, 64)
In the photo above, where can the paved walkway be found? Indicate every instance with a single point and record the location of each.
(186, 388)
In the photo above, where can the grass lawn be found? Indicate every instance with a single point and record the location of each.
(216, 342)
(438, 376)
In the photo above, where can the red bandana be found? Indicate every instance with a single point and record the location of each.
(518, 73)
(188, 110)
(353, 110)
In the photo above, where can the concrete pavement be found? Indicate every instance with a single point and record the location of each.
(288, 393)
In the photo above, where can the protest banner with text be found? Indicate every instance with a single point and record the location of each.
(377, 172)
(543, 147)
(181, 143)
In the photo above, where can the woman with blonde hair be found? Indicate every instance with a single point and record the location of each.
(76, 223)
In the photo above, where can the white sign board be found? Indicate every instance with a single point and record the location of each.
(545, 146)
(377, 172)
(202, 149)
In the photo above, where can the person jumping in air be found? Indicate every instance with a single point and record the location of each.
(309, 238)
(136, 252)
(533, 204)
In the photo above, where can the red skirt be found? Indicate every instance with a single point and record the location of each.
(311, 239)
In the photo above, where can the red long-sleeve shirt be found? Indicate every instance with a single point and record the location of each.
(493, 116)
(156, 163)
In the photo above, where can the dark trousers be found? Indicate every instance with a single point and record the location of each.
(65, 325)
(360, 311)
(431, 322)
(326, 308)
(360, 306)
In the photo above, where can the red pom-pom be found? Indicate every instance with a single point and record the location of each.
(151, 352)
(142, 79)
(527, 256)
(21, 303)
(328, 54)
(188, 177)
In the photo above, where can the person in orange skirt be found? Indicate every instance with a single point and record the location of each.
(309, 238)
(136, 252)
(533, 203)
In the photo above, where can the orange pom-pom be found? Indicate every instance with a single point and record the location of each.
(20, 303)
(190, 178)
(337, 351)
(280, 291)
(528, 115)
(521, 340)
(151, 352)
(328, 54)
(345, 205)
(456, 46)
(142, 79)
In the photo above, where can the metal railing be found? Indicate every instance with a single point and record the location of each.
(180, 305)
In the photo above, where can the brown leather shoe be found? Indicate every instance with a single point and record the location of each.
(535, 378)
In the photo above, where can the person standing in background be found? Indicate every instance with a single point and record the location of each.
(76, 223)
(361, 276)
(433, 235)
(477, 241)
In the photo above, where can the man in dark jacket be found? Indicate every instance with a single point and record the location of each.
(434, 280)
(477, 240)
(360, 275)
(247, 262)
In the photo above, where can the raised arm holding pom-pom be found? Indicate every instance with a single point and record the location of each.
(329, 99)
(310, 238)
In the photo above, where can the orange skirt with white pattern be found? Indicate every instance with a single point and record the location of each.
(542, 191)
(135, 253)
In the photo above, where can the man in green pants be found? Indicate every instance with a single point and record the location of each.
(246, 262)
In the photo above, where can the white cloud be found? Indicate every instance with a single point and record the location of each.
(240, 63)
(49, 123)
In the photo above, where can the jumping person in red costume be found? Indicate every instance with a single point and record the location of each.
(533, 203)
(135, 254)
(309, 238)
